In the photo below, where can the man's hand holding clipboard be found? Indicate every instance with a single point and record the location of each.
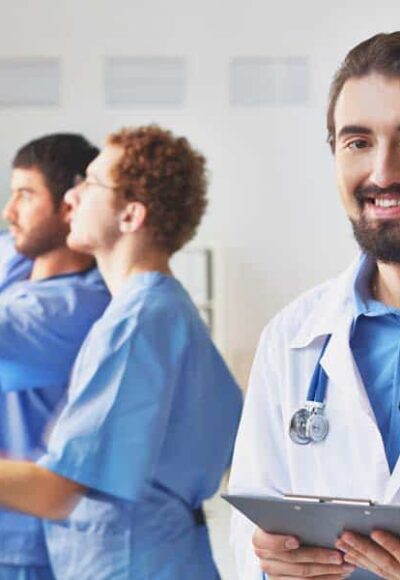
(323, 538)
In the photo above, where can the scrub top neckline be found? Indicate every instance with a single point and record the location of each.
(66, 274)
(62, 279)
(143, 280)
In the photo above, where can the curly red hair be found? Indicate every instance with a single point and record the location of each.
(165, 174)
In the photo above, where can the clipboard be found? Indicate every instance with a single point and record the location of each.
(316, 521)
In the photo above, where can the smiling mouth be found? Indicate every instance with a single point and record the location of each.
(381, 207)
(383, 201)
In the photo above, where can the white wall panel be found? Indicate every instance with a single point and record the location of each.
(145, 81)
(269, 81)
(29, 82)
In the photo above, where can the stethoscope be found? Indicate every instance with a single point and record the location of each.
(309, 424)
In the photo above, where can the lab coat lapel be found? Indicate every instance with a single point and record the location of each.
(347, 392)
(333, 315)
(339, 365)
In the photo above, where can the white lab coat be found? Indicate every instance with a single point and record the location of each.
(351, 462)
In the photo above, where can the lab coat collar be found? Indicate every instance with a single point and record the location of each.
(335, 305)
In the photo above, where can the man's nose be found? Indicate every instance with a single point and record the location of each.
(9, 210)
(71, 197)
(386, 166)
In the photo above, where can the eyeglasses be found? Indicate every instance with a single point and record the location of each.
(85, 182)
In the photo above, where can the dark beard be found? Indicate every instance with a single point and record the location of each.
(382, 241)
(41, 240)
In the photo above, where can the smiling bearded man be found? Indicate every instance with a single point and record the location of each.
(350, 329)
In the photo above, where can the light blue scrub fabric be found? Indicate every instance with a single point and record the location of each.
(42, 326)
(375, 343)
(10, 572)
(13, 266)
(149, 426)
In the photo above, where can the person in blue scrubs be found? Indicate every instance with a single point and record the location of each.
(152, 411)
(50, 295)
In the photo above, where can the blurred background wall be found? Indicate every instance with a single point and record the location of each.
(274, 218)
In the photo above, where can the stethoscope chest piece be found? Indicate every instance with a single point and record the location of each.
(298, 427)
(309, 424)
(317, 426)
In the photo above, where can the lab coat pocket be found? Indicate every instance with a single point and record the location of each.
(348, 448)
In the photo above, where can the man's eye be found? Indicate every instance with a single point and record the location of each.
(357, 144)
(88, 183)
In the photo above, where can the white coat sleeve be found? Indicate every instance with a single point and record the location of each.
(259, 464)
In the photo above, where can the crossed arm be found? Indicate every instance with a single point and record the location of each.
(29, 488)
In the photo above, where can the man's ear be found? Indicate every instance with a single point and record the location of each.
(132, 217)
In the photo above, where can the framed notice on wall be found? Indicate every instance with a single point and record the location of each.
(193, 266)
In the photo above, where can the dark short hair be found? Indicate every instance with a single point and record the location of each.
(378, 54)
(168, 176)
(59, 157)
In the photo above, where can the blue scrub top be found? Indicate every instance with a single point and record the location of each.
(42, 325)
(375, 343)
(13, 266)
(149, 427)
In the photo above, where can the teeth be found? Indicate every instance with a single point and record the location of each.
(387, 202)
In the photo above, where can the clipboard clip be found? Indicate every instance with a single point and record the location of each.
(333, 500)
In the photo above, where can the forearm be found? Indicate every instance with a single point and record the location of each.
(29, 488)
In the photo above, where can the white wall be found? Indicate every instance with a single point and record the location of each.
(274, 215)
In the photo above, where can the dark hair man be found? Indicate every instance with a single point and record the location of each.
(50, 297)
(152, 411)
(356, 317)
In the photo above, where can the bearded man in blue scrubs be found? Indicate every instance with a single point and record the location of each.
(50, 296)
(148, 428)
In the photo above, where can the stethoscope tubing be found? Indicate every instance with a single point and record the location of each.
(319, 380)
(309, 424)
